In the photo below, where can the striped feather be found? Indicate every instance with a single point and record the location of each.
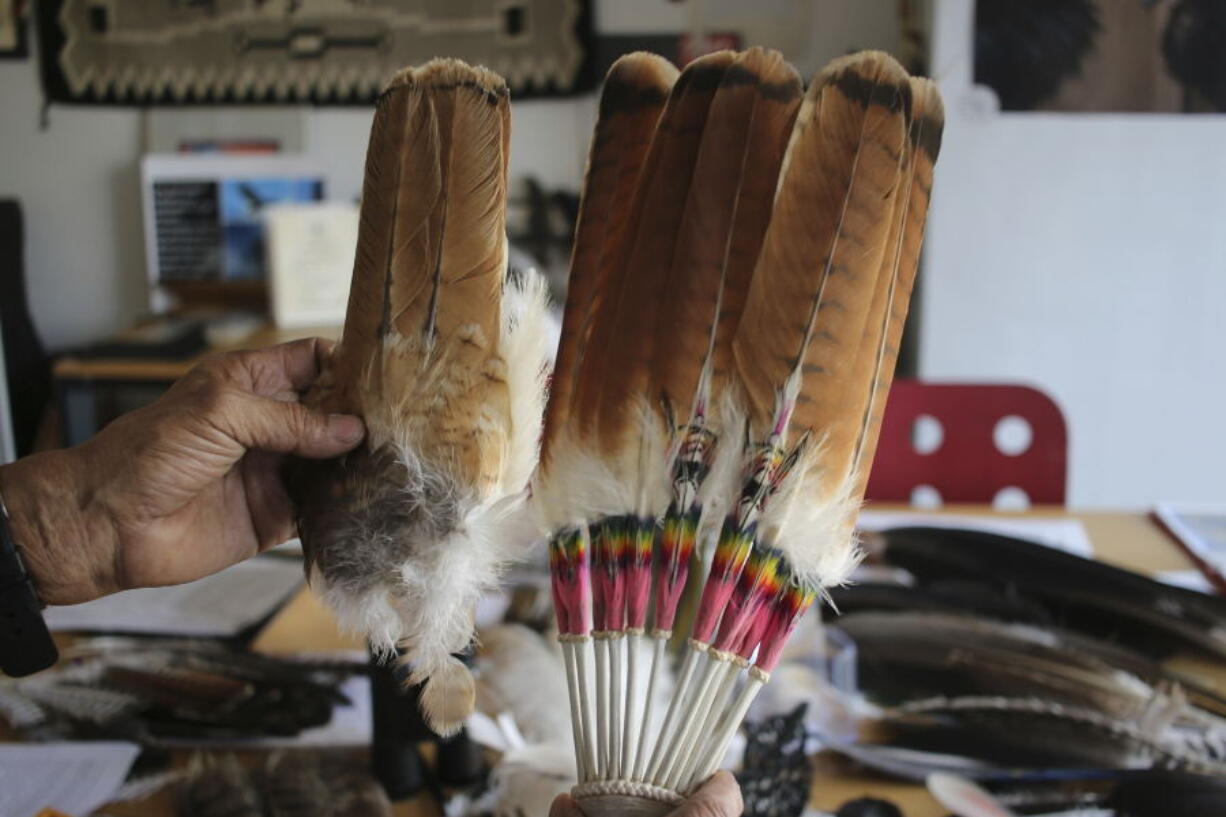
(634, 94)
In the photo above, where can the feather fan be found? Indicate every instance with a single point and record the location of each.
(743, 262)
(444, 359)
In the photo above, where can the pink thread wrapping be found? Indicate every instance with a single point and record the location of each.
(726, 565)
(638, 574)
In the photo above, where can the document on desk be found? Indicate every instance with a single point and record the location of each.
(219, 605)
(75, 778)
(1200, 529)
(1068, 535)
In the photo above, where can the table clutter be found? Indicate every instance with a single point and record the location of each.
(1107, 692)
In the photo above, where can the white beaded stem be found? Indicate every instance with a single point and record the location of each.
(617, 699)
(694, 750)
(601, 645)
(585, 706)
(657, 658)
(696, 704)
(630, 738)
(576, 722)
(674, 710)
(689, 737)
(727, 728)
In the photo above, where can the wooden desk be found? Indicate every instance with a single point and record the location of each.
(1128, 540)
(78, 380)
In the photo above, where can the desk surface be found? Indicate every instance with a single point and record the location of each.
(1128, 540)
(164, 369)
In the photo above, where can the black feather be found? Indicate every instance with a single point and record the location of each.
(1081, 594)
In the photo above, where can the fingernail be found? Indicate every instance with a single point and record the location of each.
(346, 427)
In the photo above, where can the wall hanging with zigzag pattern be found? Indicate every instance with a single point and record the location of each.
(338, 52)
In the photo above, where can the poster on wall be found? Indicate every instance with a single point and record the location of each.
(150, 52)
(205, 219)
(1120, 56)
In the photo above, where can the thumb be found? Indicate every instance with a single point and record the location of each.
(564, 806)
(292, 428)
(720, 796)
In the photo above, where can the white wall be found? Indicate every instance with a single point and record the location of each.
(79, 188)
(1085, 254)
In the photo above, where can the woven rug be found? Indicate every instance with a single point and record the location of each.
(140, 52)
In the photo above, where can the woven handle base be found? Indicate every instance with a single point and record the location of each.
(622, 798)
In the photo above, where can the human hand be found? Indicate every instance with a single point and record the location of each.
(720, 796)
(178, 489)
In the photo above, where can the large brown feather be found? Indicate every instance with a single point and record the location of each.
(421, 361)
(924, 136)
(723, 224)
(810, 295)
(634, 94)
(401, 189)
(610, 389)
(467, 276)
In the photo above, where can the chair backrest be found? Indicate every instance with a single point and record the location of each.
(26, 366)
(967, 463)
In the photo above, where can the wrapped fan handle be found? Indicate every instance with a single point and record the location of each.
(624, 798)
(622, 805)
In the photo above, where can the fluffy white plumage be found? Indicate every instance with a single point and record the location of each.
(464, 541)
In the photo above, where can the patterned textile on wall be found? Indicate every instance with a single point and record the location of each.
(139, 52)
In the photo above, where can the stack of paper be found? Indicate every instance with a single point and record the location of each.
(219, 605)
(73, 778)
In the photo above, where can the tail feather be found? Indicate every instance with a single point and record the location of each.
(613, 377)
(407, 532)
(816, 275)
(796, 349)
(634, 94)
(924, 135)
(722, 226)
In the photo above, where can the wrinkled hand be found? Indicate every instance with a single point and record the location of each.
(718, 797)
(179, 489)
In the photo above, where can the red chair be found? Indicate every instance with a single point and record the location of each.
(967, 465)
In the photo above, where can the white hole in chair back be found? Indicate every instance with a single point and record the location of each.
(925, 496)
(927, 434)
(1012, 435)
(1010, 499)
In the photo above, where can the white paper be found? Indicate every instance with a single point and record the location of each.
(75, 778)
(310, 260)
(1189, 579)
(1201, 527)
(1068, 535)
(218, 605)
